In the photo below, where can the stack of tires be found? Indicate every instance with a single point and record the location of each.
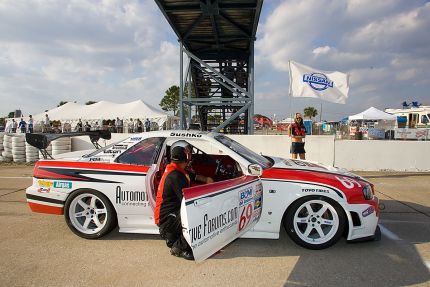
(61, 145)
(31, 153)
(18, 148)
(1, 146)
(7, 146)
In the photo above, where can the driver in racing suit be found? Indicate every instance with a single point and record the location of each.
(168, 204)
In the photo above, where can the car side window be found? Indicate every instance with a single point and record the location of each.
(143, 153)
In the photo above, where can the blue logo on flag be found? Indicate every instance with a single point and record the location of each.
(318, 81)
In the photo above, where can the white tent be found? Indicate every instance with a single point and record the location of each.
(373, 114)
(103, 110)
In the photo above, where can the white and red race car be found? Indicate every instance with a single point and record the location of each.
(253, 196)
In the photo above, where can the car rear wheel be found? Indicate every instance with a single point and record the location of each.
(89, 214)
(315, 222)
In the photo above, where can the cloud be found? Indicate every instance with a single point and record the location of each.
(383, 45)
(83, 50)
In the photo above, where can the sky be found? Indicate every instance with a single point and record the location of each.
(120, 51)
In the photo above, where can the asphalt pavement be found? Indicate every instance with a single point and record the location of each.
(40, 250)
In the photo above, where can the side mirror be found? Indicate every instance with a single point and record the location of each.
(255, 169)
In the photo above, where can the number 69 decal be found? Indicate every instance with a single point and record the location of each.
(245, 216)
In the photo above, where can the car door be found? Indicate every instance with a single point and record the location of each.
(213, 215)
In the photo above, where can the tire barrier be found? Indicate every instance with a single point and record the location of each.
(61, 145)
(18, 148)
(7, 148)
(13, 147)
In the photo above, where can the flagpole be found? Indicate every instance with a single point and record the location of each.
(290, 94)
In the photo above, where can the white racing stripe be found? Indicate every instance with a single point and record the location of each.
(388, 233)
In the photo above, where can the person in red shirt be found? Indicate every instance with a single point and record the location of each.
(167, 213)
(297, 132)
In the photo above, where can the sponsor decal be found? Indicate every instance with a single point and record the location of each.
(44, 190)
(348, 182)
(45, 183)
(95, 159)
(368, 211)
(111, 151)
(318, 81)
(305, 164)
(130, 198)
(312, 190)
(213, 226)
(63, 184)
(120, 146)
(135, 139)
(188, 135)
(245, 196)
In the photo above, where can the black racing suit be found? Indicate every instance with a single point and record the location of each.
(168, 206)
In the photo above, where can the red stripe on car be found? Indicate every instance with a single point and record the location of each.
(42, 208)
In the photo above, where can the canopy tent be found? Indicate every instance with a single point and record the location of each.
(373, 114)
(103, 110)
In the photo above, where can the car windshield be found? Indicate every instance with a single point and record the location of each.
(246, 153)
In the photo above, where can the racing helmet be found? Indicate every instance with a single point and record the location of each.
(188, 148)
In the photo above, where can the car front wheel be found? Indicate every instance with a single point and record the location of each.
(315, 222)
(89, 214)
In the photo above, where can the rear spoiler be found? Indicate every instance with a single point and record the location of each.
(42, 141)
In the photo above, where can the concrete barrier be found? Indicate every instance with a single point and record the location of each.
(365, 155)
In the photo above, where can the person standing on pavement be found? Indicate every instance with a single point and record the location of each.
(13, 126)
(167, 214)
(147, 125)
(22, 126)
(30, 124)
(297, 132)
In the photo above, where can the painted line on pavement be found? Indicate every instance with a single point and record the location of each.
(388, 233)
(427, 263)
(14, 177)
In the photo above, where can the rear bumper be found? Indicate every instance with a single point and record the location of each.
(43, 202)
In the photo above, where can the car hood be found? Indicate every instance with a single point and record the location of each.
(295, 164)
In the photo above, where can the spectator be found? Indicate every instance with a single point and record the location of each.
(96, 126)
(175, 125)
(139, 126)
(118, 125)
(87, 127)
(78, 127)
(147, 125)
(130, 126)
(297, 132)
(13, 126)
(30, 124)
(22, 126)
(46, 126)
(67, 127)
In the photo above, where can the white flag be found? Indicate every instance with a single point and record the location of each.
(309, 82)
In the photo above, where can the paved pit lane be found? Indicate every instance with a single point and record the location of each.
(40, 250)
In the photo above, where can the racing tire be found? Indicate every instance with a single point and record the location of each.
(315, 222)
(89, 214)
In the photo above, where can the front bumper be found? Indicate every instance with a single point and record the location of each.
(363, 219)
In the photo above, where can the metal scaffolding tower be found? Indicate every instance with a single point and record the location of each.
(217, 39)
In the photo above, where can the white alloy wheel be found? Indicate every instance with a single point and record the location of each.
(315, 222)
(89, 214)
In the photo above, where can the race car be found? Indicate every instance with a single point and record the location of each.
(252, 196)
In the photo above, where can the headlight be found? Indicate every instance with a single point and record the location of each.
(367, 192)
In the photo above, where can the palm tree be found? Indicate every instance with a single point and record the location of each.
(310, 112)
